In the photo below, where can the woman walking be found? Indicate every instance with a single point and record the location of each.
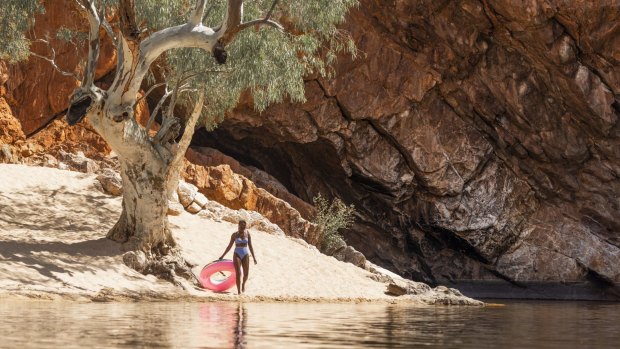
(241, 257)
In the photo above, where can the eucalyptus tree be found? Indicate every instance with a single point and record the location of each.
(207, 54)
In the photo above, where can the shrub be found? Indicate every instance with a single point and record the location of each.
(331, 217)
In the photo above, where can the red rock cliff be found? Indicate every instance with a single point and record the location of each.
(478, 139)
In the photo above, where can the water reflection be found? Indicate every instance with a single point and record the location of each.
(225, 321)
(268, 325)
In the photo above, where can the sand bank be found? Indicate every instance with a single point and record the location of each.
(52, 245)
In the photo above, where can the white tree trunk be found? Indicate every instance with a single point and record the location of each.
(149, 166)
(143, 224)
(149, 175)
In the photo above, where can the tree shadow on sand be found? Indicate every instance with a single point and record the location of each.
(46, 233)
(49, 259)
(56, 210)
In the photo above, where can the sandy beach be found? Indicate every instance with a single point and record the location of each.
(52, 245)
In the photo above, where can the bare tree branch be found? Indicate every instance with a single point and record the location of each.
(173, 100)
(181, 36)
(198, 13)
(233, 21)
(168, 131)
(93, 43)
(52, 60)
(190, 126)
(108, 29)
(273, 6)
(161, 102)
(261, 22)
(151, 89)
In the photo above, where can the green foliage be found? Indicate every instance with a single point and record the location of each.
(331, 217)
(15, 19)
(266, 62)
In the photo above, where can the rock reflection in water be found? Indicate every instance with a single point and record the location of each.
(31, 324)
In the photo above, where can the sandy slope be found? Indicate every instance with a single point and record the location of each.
(52, 245)
(52, 225)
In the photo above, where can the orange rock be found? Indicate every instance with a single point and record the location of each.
(221, 184)
(10, 129)
(40, 92)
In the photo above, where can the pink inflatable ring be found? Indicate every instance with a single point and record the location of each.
(219, 275)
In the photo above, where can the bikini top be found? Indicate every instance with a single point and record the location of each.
(239, 241)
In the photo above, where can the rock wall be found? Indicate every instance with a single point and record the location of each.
(478, 139)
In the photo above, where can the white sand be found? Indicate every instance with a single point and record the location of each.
(52, 229)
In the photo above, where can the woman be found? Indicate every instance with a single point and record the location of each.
(241, 257)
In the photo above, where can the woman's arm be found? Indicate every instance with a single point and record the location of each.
(251, 248)
(232, 241)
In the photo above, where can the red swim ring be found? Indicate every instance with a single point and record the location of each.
(219, 275)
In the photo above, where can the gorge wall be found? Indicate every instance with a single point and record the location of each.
(478, 140)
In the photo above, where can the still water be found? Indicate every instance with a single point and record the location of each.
(28, 324)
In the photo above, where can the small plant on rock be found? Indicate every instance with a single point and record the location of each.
(331, 217)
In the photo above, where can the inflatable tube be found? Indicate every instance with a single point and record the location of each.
(219, 275)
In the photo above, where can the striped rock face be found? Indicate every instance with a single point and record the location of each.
(478, 140)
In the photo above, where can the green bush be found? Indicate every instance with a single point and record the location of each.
(331, 217)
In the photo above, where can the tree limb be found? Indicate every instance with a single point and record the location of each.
(52, 60)
(108, 29)
(129, 27)
(261, 22)
(161, 102)
(190, 126)
(182, 36)
(233, 22)
(197, 13)
(151, 89)
(93, 43)
(168, 131)
(173, 100)
(273, 6)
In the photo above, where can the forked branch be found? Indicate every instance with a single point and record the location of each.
(233, 22)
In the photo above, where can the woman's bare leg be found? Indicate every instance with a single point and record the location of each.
(245, 262)
(237, 262)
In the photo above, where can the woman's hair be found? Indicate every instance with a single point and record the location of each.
(243, 221)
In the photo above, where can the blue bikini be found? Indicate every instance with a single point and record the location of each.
(241, 251)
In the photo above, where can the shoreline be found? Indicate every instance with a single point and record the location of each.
(53, 225)
(126, 298)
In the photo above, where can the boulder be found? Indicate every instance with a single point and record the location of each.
(175, 208)
(201, 200)
(221, 184)
(354, 257)
(186, 192)
(49, 161)
(111, 182)
(193, 208)
(400, 287)
(7, 154)
(78, 162)
(332, 249)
